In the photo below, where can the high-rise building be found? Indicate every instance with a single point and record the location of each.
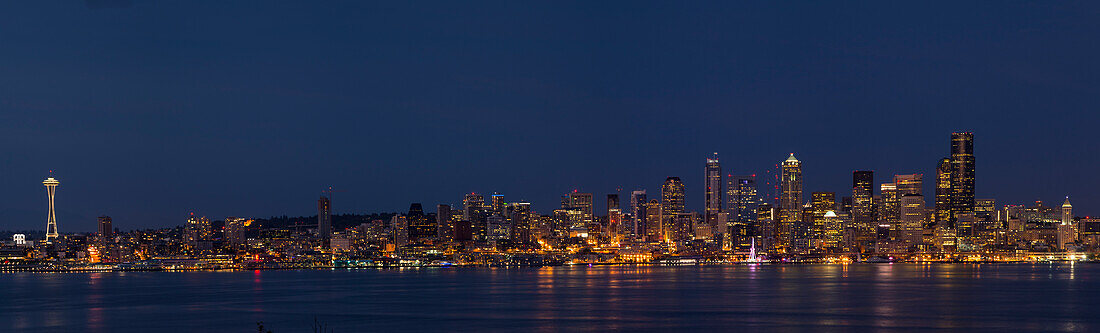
(579, 201)
(713, 193)
(420, 226)
(497, 205)
(672, 196)
(235, 230)
(399, 228)
(612, 202)
(908, 184)
(613, 230)
(942, 212)
(653, 225)
(638, 211)
(790, 201)
(912, 213)
(51, 217)
(523, 220)
(863, 210)
(888, 211)
(741, 198)
(822, 202)
(962, 173)
(104, 230)
(444, 223)
(1067, 212)
(324, 217)
(475, 212)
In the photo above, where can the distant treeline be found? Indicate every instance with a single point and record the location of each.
(339, 222)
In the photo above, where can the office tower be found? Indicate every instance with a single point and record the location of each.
(399, 228)
(821, 202)
(444, 223)
(638, 210)
(579, 201)
(522, 222)
(51, 217)
(713, 194)
(235, 230)
(474, 211)
(498, 228)
(653, 226)
(888, 211)
(104, 230)
(421, 227)
(863, 213)
(912, 213)
(199, 234)
(942, 213)
(766, 224)
(962, 173)
(497, 203)
(1067, 232)
(833, 230)
(613, 230)
(741, 198)
(324, 217)
(1067, 212)
(908, 184)
(790, 200)
(672, 196)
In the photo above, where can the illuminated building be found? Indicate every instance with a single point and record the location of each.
(766, 226)
(324, 217)
(522, 222)
(19, 239)
(942, 207)
(863, 213)
(713, 193)
(833, 229)
(638, 210)
(741, 199)
(444, 222)
(498, 228)
(51, 217)
(908, 184)
(672, 196)
(235, 230)
(962, 173)
(888, 212)
(822, 203)
(790, 200)
(614, 218)
(421, 227)
(579, 201)
(104, 229)
(399, 228)
(474, 211)
(497, 203)
(1067, 233)
(653, 225)
(199, 232)
(912, 216)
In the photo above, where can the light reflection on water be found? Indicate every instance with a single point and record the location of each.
(1037, 297)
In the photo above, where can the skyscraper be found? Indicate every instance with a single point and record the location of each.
(822, 202)
(790, 200)
(888, 211)
(324, 217)
(912, 213)
(962, 173)
(909, 184)
(863, 214)
(444, 223)
(653, 227)
(741, 198)
(579, 201)
(638, 210)
(713, 193)
(104, 230)
(497, 203)
(522, 222)
(672, 196)
(51, 217)
(942, 208)
(420, 226)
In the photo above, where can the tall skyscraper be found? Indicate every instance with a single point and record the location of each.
(863, 213)
(888, 211)
(498, 203)
(672, 196)
(790, 200)
(474, 211)
(324, 217)
(962, 173)
(741, 198)
(713, 193)
(614, 228)
(579, 201)
(822, 202)
(104, 230)
(638, 210)
(523, 221)
(942, 209)
(51, 217)
(912, 213)
(1067, 212)
(653, 227)
(444, 223)
(612, 202)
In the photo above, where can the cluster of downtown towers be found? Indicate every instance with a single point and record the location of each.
(737, 214)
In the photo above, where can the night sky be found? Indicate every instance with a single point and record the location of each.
(148, 110)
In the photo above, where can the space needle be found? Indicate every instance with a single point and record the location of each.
(51, 220)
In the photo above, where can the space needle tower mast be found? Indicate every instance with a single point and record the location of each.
(51, 220)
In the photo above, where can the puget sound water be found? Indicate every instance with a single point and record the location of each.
(811, 297)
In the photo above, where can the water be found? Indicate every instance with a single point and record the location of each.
(992, 297)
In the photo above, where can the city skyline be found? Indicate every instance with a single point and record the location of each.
(673, 192)
(150, 126)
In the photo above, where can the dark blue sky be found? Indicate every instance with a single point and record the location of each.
(150, 109)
